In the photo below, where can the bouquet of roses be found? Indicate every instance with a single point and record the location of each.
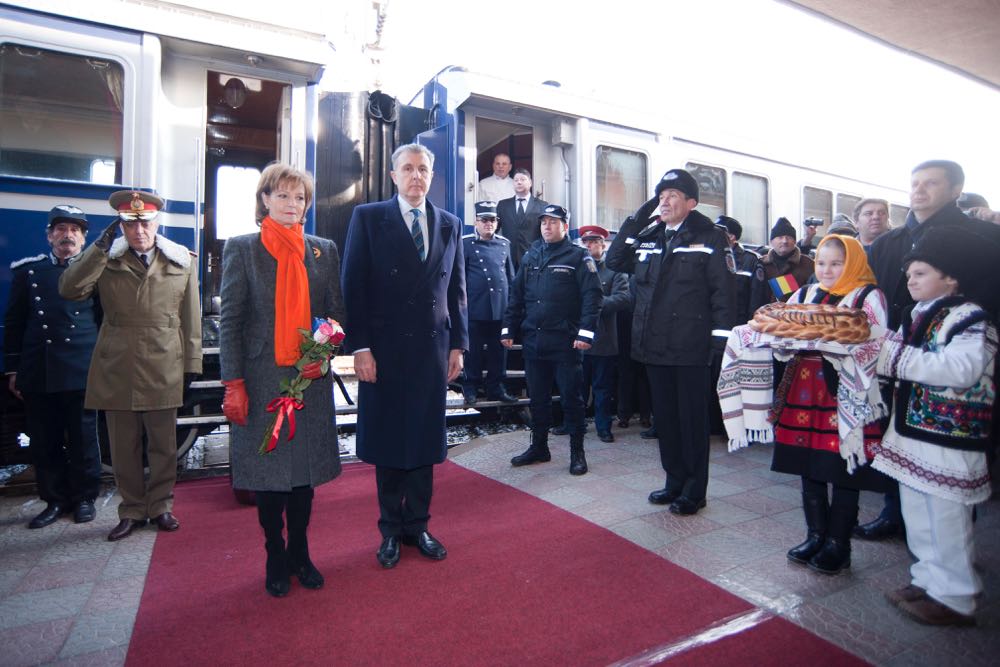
(317, 347)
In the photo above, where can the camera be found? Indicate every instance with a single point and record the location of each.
(812, 222)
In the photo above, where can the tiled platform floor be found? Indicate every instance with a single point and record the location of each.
(69, 597)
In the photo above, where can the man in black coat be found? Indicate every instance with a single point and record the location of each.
(489, 272)
(554, 304)
(48, 343)
(404, 292)
(935, 187)
(519, 216)
(683, 311)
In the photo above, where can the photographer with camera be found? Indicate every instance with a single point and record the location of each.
(810, 227)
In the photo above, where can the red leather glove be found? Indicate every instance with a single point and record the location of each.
(312, 370)
(236, 404)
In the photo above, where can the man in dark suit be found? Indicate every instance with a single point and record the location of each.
(48, 342)
(404, 293)
(519, 216)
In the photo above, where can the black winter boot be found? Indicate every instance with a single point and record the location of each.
(299, 511)
(537, 452)
(816, 509)
(270, 507)
(835, 556)
(577, 460)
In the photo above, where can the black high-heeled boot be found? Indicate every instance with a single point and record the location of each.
(835, 556)
(299, 564)
(816, 509)
(270, 506)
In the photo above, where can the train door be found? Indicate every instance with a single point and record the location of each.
(247, 128)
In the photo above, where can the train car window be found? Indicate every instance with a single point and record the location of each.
(817, 203)
(846, 204)
(750, 207)
(711, 188)
(897, 214)
(621, 185)
(236, 201)
(60, 115)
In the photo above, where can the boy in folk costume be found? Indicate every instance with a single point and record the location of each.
(942, 358)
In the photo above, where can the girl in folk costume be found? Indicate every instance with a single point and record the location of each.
(806, 435)
(943, 359)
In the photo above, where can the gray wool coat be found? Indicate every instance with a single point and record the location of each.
(249, 273)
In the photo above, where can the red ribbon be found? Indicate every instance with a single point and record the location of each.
(285, 407)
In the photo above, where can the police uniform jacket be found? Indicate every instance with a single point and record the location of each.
(489, 271)
(555, 300)
(798, 264)
(410, 314)
(887, 252)
(246, 350)
(683, 287)
(616, 298)
(751, 288)
(151, 332)
(48, 340)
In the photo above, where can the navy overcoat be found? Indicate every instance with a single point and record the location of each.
(409, 314)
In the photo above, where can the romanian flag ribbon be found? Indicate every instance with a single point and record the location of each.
(284, 406)
(784, 285)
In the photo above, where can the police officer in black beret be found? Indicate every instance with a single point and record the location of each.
(48, 342)
(554, 303)
(489, 271)
(683, 314)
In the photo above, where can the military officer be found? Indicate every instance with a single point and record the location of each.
(48, 342)
(149, 339)
(489, 271)
(554, 304)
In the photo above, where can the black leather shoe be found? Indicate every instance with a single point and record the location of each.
(648, 434)
(84, 512)
(48, 516)
(605, 436)
(427, 545)
(167, 522)
(664, 496)
(124, 529)
(388, 552)
(558, 430)
(470, 396)
(503, 397)
(531, 455)
(803, 553)
(878, 529)
(307, 574)
(686, 506)
(833, 558)
(623, 422)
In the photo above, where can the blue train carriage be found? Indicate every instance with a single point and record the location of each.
(602, 160)
(95, 97)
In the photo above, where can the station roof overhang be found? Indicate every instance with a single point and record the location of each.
(962, 35)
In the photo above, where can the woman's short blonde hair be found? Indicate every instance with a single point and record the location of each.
(275, 174)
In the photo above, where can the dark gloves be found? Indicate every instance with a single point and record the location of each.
(107, 236)
(312, 370)
(236, 403)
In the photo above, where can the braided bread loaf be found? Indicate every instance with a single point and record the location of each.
(811, 321)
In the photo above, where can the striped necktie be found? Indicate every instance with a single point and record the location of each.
(418, 234)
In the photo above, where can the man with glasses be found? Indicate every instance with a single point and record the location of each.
(149, 339)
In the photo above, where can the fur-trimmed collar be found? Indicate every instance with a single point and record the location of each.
(175, 252)
(793, 257)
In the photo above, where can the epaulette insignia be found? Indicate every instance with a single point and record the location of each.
(27, 260)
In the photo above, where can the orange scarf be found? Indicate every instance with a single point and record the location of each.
(291, 291)
(856, 270)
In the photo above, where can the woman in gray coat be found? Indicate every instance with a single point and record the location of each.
(274, 283)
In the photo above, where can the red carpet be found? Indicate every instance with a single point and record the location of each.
(525, 583)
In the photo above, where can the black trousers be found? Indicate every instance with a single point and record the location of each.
(492, 359)
(404, 500)
(680, 413)
(64, 447)
(568, 375)
(633, 389)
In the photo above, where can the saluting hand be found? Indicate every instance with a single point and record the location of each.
(107, 236)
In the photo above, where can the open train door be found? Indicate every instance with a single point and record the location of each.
(442, 191)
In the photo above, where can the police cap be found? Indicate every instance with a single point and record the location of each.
(554, 211)
(486, 209)
(67, 213)
(593, 232)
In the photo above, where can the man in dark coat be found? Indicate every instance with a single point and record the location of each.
(554, 304)
(683, 311)
(404, 293)
(519, 216)
(489, 272)
(935, 187)
(48, 342)
(786, 267)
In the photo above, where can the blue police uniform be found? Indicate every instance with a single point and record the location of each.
(48, 342)
(489, 272)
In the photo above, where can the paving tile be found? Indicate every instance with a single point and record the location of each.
(603, 513)
(759, 503)
(681, 526)
(38, 606)
(777, 583)
(112, 657)
(643, 533)
(99, 631)
(79, 546)
(703, 562)
(742, 479)
(35, 643)
(56, 575)
(730, 542)
(768, 531)
(848, 632)
(567, 498)
(725, 514)
(122, 592)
